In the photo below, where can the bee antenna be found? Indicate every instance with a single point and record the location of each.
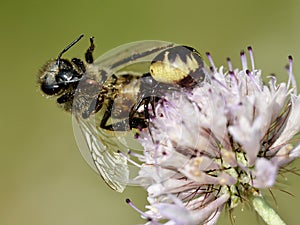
(67, 48)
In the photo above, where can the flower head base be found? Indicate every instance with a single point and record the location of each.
(218, 144)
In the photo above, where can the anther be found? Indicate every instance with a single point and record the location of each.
(212, 67)
(251, 76)
(229, 63)
(129, 202)
(251, 57)
(243, 60)
(292, 80)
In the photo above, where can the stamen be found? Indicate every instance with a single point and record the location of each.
(234, 83)
(251, 58)
(243, 60)
(250, 74)
(230, 68)
(129, 202)
(291, 75)
(233, 76)
(128, 159)
(213, 67)
(220, 83)
(136, 155)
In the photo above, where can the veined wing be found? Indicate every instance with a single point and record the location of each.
(100, 149)
(131, 53)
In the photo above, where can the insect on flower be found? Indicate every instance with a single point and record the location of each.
(223, 143)
(112, 98)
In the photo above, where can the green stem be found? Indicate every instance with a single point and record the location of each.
(265, 211)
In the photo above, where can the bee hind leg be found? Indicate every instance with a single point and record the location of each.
(122, 125)
(133, 122)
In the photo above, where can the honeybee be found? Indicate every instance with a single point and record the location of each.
(114, 97)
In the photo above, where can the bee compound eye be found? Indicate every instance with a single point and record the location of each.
(51, 89)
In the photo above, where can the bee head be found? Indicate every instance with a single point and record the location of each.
(58, 76)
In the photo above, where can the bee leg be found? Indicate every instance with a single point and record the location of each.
(146, 108)
(65, 98)
(95, 106)
(151, 100)
(118, 126)
(138, 123)
(79, 64)
(123, 125)
(135, 108)
(89, 52)
(106, 116)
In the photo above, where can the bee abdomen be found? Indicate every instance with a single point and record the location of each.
(181, 65)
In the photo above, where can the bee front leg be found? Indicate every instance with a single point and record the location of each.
(89, 52)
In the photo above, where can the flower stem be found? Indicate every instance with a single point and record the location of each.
(265, 211)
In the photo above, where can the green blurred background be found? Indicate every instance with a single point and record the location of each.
(43, 179)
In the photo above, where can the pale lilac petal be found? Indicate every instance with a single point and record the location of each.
(285, 155)
(248, 135)
(214, 218)
(210, 209)
(178, 214)
(292, 126)
(264, 174)
(295, 153)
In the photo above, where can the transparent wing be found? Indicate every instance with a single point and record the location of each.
(131, 53)
(101, 148)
